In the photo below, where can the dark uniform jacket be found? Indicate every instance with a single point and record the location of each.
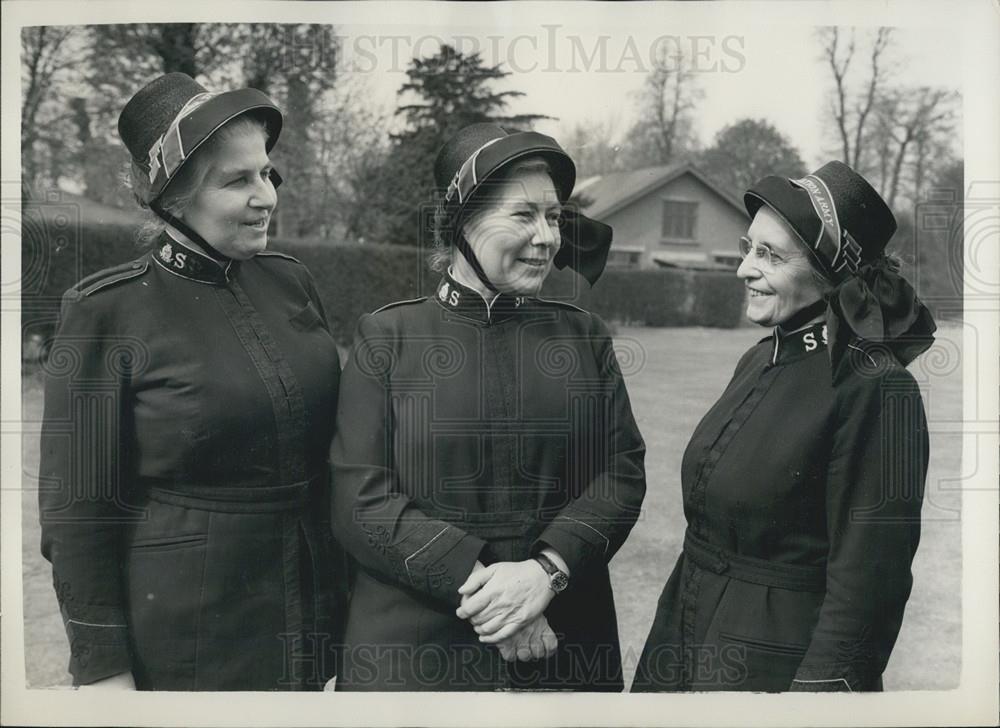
(188, 416)
(802, 495)
(473, 431)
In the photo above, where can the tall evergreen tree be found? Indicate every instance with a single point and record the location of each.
(454, 90)
(446, 92)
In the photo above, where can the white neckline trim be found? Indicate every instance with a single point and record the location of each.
(489, 303)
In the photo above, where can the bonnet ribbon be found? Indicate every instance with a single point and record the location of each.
(466, 251)
(878, 305)
(585, 244)
(187, 231)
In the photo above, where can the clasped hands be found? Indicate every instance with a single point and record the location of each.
(505, 603)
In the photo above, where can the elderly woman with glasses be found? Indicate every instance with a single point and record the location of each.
(803, 483)
(487, 462)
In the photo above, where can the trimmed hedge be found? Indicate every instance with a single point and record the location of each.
(57, 250)
(355, 279)
(664, 297)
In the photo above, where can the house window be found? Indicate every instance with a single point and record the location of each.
(624, 258)
(731, 260)
(679, 219)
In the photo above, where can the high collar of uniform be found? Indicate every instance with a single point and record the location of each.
(470, 304)
(791, 345)
(184, 260)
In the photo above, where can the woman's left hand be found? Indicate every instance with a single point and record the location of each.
(535, 641)
(501, 598)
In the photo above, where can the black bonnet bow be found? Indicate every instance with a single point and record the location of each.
(878, 305)
(585, 244)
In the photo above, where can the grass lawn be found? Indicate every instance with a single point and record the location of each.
(681, 374)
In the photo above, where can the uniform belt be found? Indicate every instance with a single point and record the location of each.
(756, 571)
(233, 499)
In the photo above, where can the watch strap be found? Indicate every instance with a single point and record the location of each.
(558, 579)
(548, 564)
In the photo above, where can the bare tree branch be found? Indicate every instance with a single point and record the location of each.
(43, 48)
(917, 121)
(668, 98)
(839, 68)
(874, 82)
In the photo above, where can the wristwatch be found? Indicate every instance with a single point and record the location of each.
(558, 579)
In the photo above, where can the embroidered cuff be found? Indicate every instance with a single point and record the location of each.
(98, 644)
(832, 685)
(89, 663)
(831, 677)
(443, 563)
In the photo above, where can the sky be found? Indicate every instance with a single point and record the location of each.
(582, 73)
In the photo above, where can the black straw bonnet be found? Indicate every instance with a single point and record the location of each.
(168, 119)
(838, 216)
(845, 226)
(477, 154)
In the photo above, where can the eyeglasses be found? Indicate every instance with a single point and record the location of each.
(762, 252)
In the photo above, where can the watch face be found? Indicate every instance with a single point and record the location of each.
(559, 581)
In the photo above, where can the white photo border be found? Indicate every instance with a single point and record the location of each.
(972, 24)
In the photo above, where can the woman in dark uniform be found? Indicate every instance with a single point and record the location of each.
(188, 415)
(803, 484)
(492, 466)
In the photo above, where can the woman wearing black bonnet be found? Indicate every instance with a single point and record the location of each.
(185, 517)
(803, 483)
(488, 465)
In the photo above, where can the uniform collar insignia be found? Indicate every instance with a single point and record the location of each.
(469, 303)
(806, 340)
(184, 260)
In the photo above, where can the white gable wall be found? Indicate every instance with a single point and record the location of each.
(640, 224)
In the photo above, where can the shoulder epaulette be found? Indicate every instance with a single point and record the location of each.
(278, 254)
(394, 304)
(109, 277)
(563, 304)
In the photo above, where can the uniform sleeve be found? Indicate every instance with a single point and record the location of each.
(82, 504)
(875, 489)
(378, 525)
(592, 527)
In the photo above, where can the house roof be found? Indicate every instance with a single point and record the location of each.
(611, 192)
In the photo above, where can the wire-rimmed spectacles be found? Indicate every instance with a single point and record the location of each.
(761, 251)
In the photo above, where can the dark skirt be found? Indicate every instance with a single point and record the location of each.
(715, 632)
(231, 600)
